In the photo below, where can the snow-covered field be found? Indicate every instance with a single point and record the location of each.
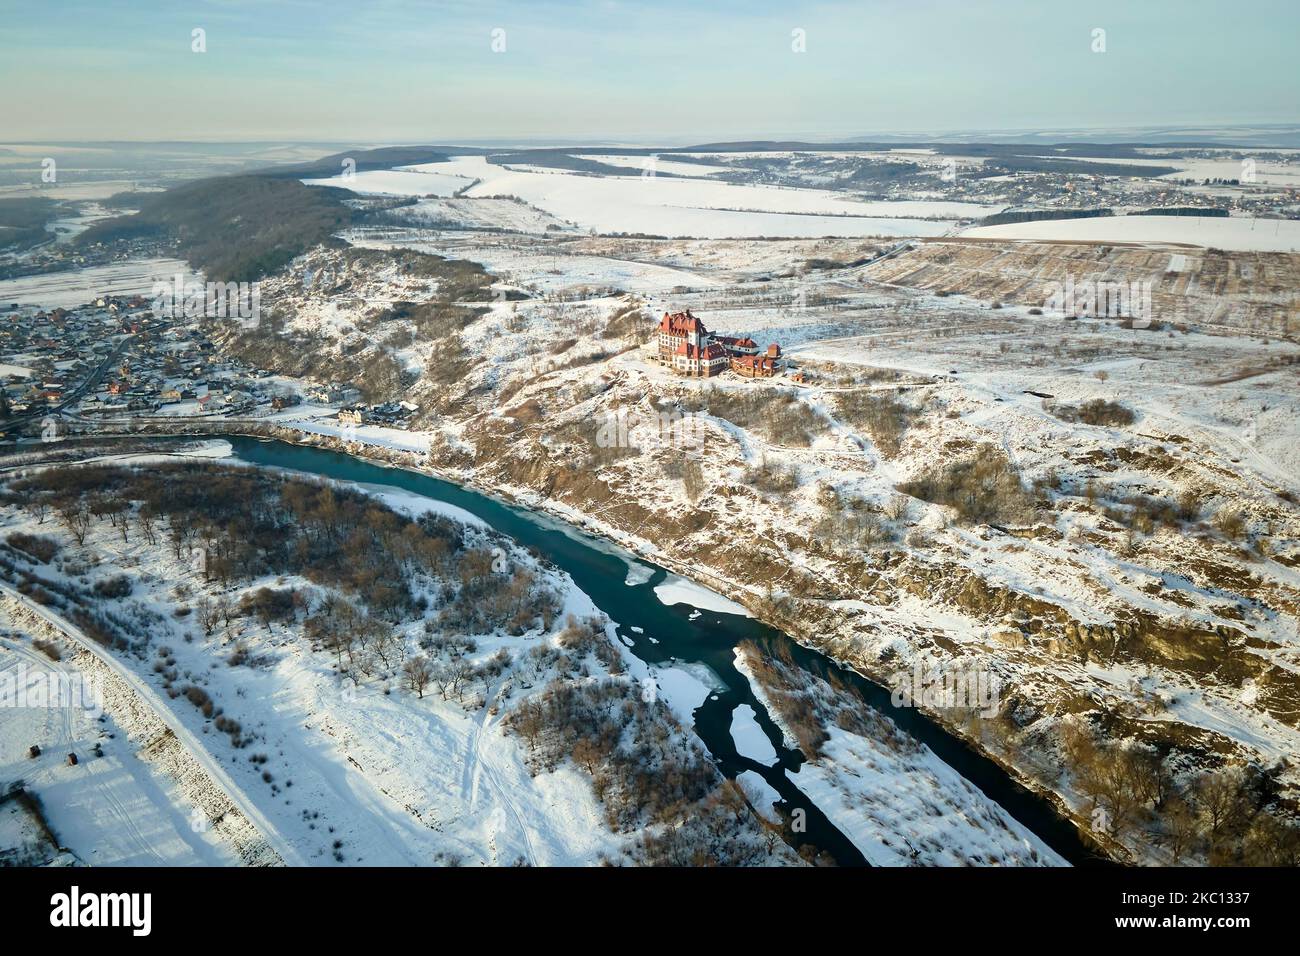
(1239, 233)
(545, 272)
(506, 214)
(75, 192)
(396, 182)
(110, 810)
(671, 206)
(78, 287)
(1265, 173)
(659, 164)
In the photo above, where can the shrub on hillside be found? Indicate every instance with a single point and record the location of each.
(41, 548)
(1096, 411)
(984, 488)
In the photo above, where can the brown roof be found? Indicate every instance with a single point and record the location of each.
(681, 323)
(710, 351)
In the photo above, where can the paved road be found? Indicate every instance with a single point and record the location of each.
(89, 382)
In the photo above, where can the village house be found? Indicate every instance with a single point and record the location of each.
(333, 393)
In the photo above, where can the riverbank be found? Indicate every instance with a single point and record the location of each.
(991, 776)
(1042, 810)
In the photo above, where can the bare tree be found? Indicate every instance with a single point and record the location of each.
(418, 673)
(441, 679)
(387, 645)
(1222, 799)
(76, 519)
(459, 671)
(587, 755)
(147, 521)
(530, 721)
(898, 507)
(209, 615)
(178, 535)
(1183, 825)
(226, 609)
(38, 507)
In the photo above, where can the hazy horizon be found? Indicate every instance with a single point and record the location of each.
(1097, 134)
(578, 71)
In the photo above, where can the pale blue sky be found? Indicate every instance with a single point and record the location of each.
(406, 71)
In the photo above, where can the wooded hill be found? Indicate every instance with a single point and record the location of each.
(233, 228)
(22, 221)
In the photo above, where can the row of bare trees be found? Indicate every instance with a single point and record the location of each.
(1223, 816)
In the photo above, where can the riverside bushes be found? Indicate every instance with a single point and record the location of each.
(795, 708)
(237, 525)
(1224, 817)
(232, 526)
(37, 546)
(623, 741)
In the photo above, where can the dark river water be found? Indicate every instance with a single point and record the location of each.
(679, 634)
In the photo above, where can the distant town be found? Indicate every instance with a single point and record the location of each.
(113, 360)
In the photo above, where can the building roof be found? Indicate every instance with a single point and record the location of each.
(705, 353)
(681, 323)
(735, 343)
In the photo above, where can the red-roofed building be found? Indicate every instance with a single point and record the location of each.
(680, 328)
(703, 361)
(745, 346)
(691, 349)
(753, 366)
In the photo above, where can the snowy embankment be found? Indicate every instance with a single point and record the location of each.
(124, 692)
(1236, 233)
(393, 438)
